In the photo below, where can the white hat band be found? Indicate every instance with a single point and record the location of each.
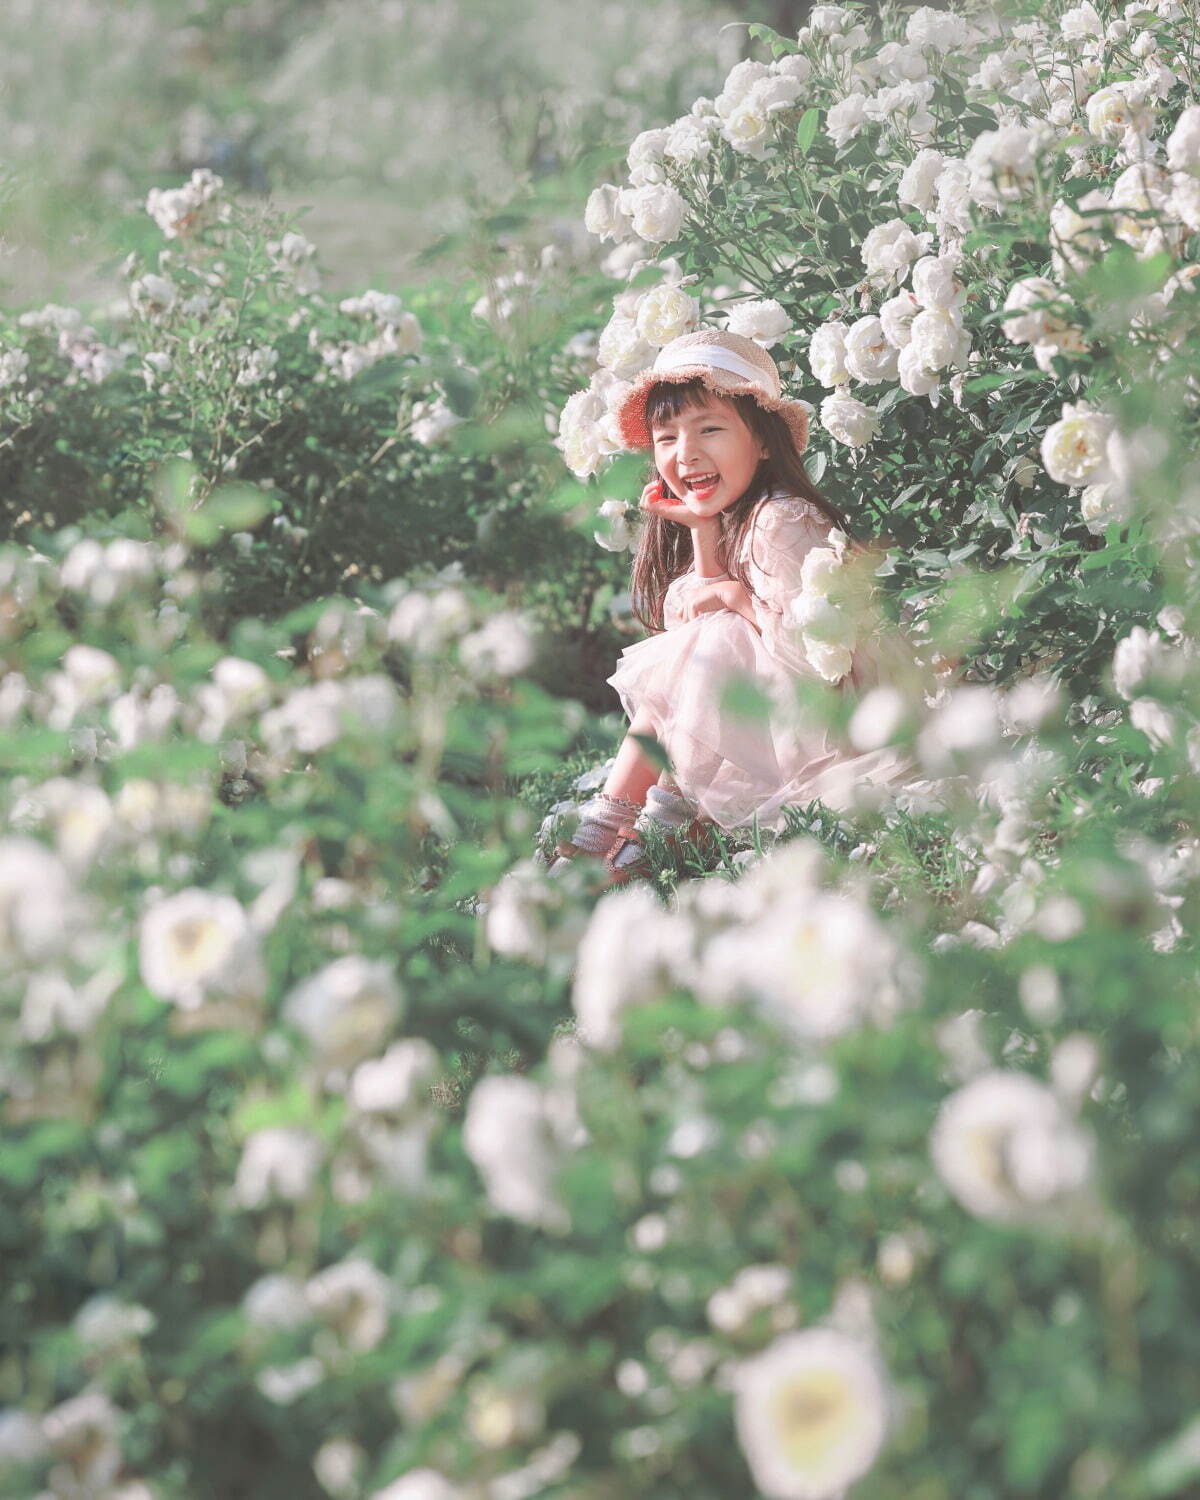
(713, 354)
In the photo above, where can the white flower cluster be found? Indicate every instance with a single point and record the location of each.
(184, 211)
(91, 359)
(1146, 669)
(754, 94)
(506, 295)
(297, 258)
(393, 331)
(916, 335)
(830, 969)
(427, 619)
(432, 421)
(826, 610)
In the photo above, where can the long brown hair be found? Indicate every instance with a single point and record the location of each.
(664, 549)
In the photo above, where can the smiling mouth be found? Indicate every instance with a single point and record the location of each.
(702, 483)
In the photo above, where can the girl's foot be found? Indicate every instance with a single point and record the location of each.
(675, 819)
(600, 821)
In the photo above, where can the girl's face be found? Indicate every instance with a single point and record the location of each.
(707, 454)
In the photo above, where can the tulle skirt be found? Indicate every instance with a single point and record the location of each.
(732, 767)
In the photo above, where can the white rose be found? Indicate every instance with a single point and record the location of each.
(953, 215)
(1139, 658)
(920, 178)
(1031, 324)
(503, 646)
(889, 249)
(509, 1136)
(936, 336)
(848, 420)
(431, 421)
(1074, 448)
(1144, 188)
(622, 349)
(896, 316)
(603, 215)
(896, 63)
(1183, 202)
(14, 363)
(938, 30)
(657, 212)
(579, 439)
(762, 320)
(645, 157)
(1003, 164)
(278, 1162)
(870, 357)
(904, 108)
(935, 282)
(1074, 239)
(617, 536)
(690, 139)
(742, 78)
(197, 942)
(748, 130)
(1113, 110)
(795, 65)
(1008, 1150)
(665, 312)
(913, 376)
(829, 20)
(1183, 144)
(1099, 504)
(846, 118)
(827, 354)
(1081, 22)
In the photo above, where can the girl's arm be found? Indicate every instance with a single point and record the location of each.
(715, 594)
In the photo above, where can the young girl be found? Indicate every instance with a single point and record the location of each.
(731, 516)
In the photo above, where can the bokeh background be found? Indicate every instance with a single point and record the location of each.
(393, 125)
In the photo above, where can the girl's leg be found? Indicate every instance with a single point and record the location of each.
(633, 772)
(620, 802)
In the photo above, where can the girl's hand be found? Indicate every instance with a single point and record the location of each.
(710, 596)
(728, 594)
(673, 510)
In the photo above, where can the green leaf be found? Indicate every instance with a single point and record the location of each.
(1035, 1437)
(234, 507)
(744, 699)
(806, 130)
(816, 466)
(654, 752)
(25, 1156)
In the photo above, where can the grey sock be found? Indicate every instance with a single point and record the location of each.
(599, 819)
(668, 807)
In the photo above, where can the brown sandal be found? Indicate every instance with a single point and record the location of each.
(698, 831)
(627, 836)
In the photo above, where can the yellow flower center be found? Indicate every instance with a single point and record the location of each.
(812, 1415)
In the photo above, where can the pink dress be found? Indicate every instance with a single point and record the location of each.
(735, 768)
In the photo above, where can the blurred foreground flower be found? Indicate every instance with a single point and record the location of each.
(812, 1414)
(1008, 1150)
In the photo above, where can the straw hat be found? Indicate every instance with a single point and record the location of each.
(728, 364)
